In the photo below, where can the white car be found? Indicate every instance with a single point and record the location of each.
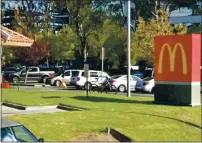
(120, 82)
(66, 77)
(146, 85)
(95, 78)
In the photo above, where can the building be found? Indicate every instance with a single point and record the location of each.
(58, 19)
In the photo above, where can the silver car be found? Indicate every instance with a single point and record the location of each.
(15, 132)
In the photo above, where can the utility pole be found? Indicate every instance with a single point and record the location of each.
(128, 46)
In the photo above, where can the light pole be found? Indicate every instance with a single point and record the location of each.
(128, 55)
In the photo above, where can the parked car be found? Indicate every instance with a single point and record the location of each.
(9, 70)
(120, 82)
(66, 77)
(146, 85)
(95, 78)
(33, 74)
(48, 80)
(137, 73)
(15, 132)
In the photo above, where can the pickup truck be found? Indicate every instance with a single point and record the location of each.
(33, 74)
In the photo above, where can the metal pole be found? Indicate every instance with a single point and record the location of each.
(128, 46)
(102, 67)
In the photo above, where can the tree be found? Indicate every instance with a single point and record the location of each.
(85, 20)
(115, 43)
(8, 56)
(61, 46)
(31, 56)
(143, 40)
(195, 29)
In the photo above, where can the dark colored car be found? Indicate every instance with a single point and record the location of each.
(15, 132)
(7, 71)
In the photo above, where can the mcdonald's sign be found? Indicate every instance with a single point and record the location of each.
(172, 55)
(177, 58)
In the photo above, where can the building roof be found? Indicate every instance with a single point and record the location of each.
(8, 123)
(186, 19)
(14, 39)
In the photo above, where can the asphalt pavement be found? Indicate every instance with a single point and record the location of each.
(73, 89)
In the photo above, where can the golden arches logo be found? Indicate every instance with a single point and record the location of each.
(172, 55)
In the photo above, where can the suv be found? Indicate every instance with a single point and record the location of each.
(95, 78)
(65, 77)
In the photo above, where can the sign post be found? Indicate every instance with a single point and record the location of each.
(102, 58)
(86, 73)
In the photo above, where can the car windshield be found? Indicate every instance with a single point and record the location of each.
(10, 69)
(59, 73)
(18, 133)
(136, 78)
(23, 135)
(116, 76)
(19, 69)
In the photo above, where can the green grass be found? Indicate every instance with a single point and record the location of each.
(136, 117)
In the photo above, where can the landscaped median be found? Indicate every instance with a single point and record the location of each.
(136, 117)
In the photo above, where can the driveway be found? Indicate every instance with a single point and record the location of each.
(7, 111)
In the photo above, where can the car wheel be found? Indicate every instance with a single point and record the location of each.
(122, 88)
(15, 79)
(44, 79)
(87, 86)
(57, 83)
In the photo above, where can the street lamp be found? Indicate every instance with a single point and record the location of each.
(128, 47)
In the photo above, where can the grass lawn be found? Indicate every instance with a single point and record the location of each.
(136, 117)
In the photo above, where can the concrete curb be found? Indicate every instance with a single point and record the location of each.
(31, 85)
(119, 136)
(61, 104)
(13, 105)
(69, 107)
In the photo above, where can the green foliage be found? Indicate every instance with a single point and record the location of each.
(142, 45)
(115, 43)
(195, 29)
(8, 56)
(61, 46)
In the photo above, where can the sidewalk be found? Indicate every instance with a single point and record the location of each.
(8, 111)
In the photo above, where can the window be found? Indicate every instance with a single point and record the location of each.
(32, 70)
(67, 73)
(93, 74)
(5, 132)
(22, 134)
(82, 74)
(136, 78)
(104, 75)
(75, 73)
